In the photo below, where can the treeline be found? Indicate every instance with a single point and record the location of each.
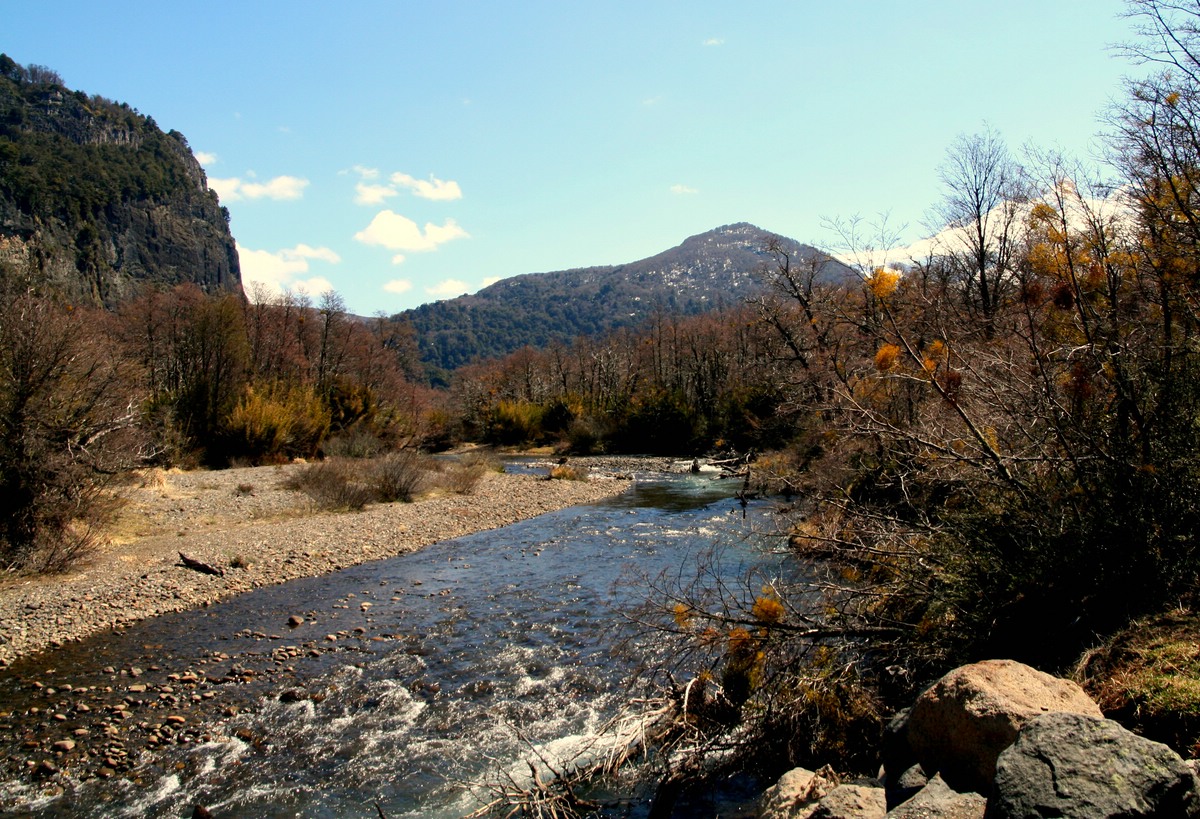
(677, 385)
(178, 377)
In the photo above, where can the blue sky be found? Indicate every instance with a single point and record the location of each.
(401, 152)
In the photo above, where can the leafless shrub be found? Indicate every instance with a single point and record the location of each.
(334, 485)
(399, 476)
(461, 477)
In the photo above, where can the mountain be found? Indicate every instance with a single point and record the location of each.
(706, 272)
(96, 200)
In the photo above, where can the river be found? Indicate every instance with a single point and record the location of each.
(410, 681)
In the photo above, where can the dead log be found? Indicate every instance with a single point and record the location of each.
(201, 566)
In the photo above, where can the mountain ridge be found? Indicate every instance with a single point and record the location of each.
(708, 271)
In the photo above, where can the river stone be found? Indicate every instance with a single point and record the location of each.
(851, 802)
(937, 800)
(794, 795)
(1073, 765)
(899, 789)
(961, 723)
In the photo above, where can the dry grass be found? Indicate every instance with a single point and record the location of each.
(1148, 678)
(564, 472)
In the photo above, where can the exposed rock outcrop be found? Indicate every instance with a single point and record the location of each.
(96, 201)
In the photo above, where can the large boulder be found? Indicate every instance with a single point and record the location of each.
(937, 800)
(1069, 765)
(961, 723)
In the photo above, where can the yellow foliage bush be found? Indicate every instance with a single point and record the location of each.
(278, 421)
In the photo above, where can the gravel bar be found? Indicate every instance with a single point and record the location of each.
(245, 522)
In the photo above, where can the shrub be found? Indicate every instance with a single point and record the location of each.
(563, 472)
(514, 422)
(398, 476)
(277, 422)
(462, 476)
(354, 443)
(335, 485)
(65, 430)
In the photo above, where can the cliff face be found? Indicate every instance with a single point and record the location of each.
(97, 202)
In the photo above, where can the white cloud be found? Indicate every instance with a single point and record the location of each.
(206, 158)
(714, 41)
(432, 188)
(365, 172)
(395, 232)
(277, 271)
(368, 194)
(398, 258)
(683, 190)
(234, 189)
(398, 286)
(490, 280)
(225, 188)
(448, 288)
(303, 251)
(313, 287)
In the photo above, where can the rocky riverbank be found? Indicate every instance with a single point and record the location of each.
(258, 532)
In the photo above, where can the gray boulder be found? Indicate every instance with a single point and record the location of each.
(1069, 765)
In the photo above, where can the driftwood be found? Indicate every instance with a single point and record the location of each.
(200, 566)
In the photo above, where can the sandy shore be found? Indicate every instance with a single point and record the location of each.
(260, 533)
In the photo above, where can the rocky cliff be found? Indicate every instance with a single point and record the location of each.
(96, 201)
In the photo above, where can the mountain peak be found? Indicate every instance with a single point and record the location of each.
(713, 270)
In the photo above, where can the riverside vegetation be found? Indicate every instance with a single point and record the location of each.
(994, 447)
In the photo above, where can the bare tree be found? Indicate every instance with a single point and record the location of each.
(983, 193)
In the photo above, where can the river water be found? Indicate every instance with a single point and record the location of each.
(411, 681)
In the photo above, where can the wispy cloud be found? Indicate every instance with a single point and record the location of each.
(448, 288)
(206, 158)
(432, 188)
(398, 286)
(714, 41)
(395, 232)
(276, 271)
(367, 194)
(234, 189)
(683, 190)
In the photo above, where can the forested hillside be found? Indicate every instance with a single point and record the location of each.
(95, 199)
(710, 271)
